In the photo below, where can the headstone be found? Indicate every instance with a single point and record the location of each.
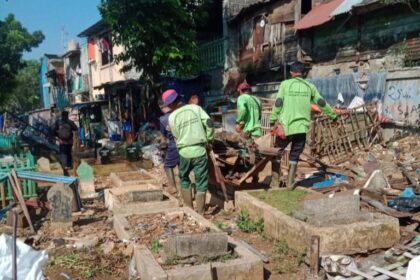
(85, 171)
(86, 181)
(376, 182)
(60, 198)
(339, 209)
(43, 164)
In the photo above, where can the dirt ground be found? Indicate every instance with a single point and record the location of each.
(284, 263)
(85, 263)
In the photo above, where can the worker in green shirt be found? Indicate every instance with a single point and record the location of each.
(192, 129)
(291, 117)
(248, 112)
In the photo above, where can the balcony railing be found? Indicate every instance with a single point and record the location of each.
(212, 54)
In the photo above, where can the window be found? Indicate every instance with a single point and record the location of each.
(105, 47)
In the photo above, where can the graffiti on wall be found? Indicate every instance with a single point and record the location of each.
(402, 101)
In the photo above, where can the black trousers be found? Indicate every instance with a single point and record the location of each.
(65, 155)
(298, 144)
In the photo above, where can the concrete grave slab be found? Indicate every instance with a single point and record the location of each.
(133, 178)
(138, 199)
(247, 266)
(351, 238)
(339, 209)
(210, 244)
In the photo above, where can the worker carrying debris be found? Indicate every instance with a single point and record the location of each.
(172, 156)
(193, 130)
(248, 118)
(291, 117)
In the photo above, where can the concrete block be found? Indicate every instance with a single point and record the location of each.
(147, 266)
(247, 266)
(338, 209)
(114, 204)
(376, 182)
(211, 244)
(87, 188)
(199, 272)
(122, 228)
(133, 178)
(352, 238)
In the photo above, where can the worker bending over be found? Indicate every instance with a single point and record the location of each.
(291, 117)
(193, 130)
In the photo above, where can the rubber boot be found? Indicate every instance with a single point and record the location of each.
(291, 176)
(275, 174)
(200, 200)
(187, 197)
(171, 180)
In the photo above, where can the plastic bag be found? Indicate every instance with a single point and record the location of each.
(29, 261)
(413, 270)
(153, 153)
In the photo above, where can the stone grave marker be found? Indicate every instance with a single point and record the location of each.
(43, 164)
(60, 198)
(86, 180)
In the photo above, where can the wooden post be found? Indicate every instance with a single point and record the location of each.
(314, 256)
(132, 112)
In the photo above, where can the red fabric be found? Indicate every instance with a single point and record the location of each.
(318, 15)
(91, 49)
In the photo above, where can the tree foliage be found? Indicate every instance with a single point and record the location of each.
(409, 3)
(158, 35)
(14, 40)
(25, 95)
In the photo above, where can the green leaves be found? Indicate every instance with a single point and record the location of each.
(14, 40)
(158, 35)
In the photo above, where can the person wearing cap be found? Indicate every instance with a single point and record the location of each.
(172, 156)
(291, 117)
(192, 129)
(248, 119)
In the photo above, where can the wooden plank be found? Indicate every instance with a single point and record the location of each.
(314, 256)
(376, 273)
(256, 167)
(16, 189)
(218, 173)
(388, 273)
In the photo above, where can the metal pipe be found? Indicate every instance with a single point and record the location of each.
(14, 257)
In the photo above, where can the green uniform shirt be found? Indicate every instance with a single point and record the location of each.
(192, 129)
(249, 112)
(293, 106)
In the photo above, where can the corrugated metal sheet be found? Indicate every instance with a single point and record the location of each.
(345, 7)
(318, 15)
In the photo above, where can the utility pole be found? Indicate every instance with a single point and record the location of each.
(63, 34)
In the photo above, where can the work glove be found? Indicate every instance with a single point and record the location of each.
(273, 130)
(238, 127)
(280, 132)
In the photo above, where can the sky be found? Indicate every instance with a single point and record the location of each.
(52, 17)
